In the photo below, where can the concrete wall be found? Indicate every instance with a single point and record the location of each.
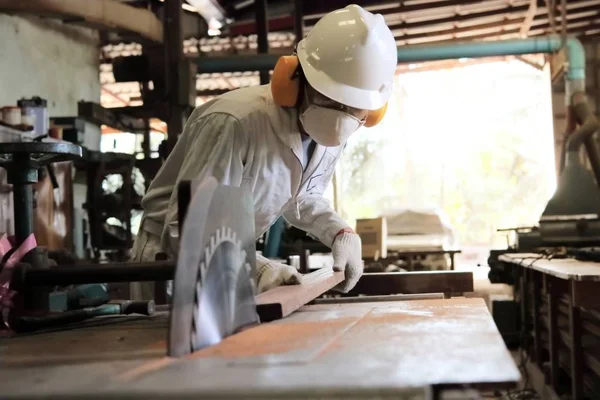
(45, 57)
(53, 60)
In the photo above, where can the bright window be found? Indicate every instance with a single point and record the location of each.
(475, 141)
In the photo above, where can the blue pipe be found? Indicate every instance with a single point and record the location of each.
(274, 239)
(411, 54)
(545, 44)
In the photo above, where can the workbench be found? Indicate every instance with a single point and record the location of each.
(560, 318)
(403, 350)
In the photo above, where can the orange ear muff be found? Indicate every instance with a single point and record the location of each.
(376, 116)
(284, 85)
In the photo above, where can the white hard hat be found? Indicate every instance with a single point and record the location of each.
(350, 56)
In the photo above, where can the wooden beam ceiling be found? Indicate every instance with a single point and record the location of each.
(100, 14)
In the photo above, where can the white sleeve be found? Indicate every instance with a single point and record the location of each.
(313, 214)
(317, 218)
(215, 145)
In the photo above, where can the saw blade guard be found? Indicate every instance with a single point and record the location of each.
(214, 283)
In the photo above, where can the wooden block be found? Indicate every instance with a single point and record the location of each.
(283, 300)
(106, 14)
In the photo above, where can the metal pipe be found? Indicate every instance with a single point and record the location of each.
(298, 21)
(588, 124)
(594, 156)
(273, 243)
(262, 30)
(98, 273)
(411, 54)
(173, 45)
(545, 44)
(23, 211)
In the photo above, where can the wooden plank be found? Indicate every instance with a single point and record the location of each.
(381, 346)
(284, 300)
(531, 11)
(106, 14)
(381, 284)
(563, 268)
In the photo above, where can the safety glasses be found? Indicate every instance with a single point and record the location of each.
(317, 99)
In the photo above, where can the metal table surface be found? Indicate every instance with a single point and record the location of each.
(563, 268)
(390, 349)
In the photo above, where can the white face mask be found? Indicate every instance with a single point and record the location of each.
(329, 127)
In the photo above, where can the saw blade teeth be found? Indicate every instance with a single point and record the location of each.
(201, 270)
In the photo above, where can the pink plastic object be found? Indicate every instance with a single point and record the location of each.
(6, 244)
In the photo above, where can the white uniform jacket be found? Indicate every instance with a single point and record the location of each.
(243, 139)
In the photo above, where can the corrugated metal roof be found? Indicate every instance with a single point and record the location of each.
(412, 22)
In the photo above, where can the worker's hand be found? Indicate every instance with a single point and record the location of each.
(272, 274)
(347, 257)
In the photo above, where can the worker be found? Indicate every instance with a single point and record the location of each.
(282, 141)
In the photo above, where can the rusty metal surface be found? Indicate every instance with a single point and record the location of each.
(284, 300)
(381, 284)
(54, 211)
(563, 268)
(100, 339)
(322, 351)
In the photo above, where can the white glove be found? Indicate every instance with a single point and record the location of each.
(347, 257)
(272, 274)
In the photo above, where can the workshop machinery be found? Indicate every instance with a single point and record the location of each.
(553, 267)
(215, 310)
(355, 331)
(34, 278)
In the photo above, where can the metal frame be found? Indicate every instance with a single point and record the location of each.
(398, 255)
(450, 283)
(22, 162)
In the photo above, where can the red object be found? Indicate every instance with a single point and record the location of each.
(6, 293)
(345, 230)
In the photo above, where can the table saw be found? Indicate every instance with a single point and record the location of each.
(219, 339)
(404, 350)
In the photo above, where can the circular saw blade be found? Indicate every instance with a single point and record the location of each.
(213, 287)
